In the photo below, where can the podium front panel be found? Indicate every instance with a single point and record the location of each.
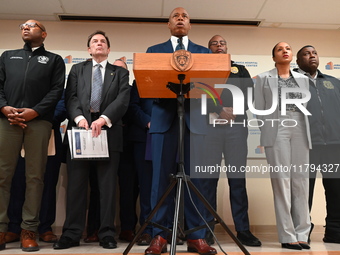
(153, 71)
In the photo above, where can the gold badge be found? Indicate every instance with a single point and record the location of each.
(234, 69)
(181, 60)
(328, 84)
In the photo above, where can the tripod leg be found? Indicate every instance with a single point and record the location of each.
(176, 214)
(153, 212)
(218, 218)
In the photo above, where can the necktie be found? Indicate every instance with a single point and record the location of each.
(180, 45)
(96, 89)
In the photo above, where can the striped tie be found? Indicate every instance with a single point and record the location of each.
(96, 92)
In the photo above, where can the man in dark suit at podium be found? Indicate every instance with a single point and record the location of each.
(164, 134)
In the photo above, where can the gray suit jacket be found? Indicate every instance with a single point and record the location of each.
(265, 84)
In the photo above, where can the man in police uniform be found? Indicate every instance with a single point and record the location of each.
(232, 142)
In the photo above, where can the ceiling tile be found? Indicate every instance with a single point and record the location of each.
(301, 11)
(35, 9)
(217, 9)
(119, 8)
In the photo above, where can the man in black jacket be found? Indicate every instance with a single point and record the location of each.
(47, 212)
(324, 106)
(31, 84)
(232, 142)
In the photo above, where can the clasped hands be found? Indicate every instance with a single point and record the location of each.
(96, 126)
(227, 114)
(19, 116)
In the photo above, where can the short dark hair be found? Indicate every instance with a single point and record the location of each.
(98, 32)
(306, 46)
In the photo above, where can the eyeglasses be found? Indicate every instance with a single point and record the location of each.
(215, 43)
(30, 25)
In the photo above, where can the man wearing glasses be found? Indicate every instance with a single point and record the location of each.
(31, 84)
(232, 142)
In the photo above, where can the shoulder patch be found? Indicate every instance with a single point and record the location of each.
(234, 69)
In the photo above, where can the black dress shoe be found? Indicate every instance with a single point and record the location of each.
(65, 242)
(291, 246)
(247, 238)
(304, 245)
(327, 239)
(108, 242)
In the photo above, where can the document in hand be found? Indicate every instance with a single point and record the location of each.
(84, 146)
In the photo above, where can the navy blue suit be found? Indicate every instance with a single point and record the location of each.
(164, 133)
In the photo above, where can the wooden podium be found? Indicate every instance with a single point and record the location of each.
(154, 70)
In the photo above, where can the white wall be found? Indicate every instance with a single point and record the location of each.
(136, 37)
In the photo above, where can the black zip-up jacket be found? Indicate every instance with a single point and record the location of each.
(31, 80)
(324, 106)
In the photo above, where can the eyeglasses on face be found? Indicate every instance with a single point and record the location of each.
(215, 43)
(30, 25)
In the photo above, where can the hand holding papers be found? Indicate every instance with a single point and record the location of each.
(84, 146)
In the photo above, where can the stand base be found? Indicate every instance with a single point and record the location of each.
(178, 179)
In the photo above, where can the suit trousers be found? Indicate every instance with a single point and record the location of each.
(77, 189)
(144, 171)
(135, 178)
(35, 139)
(128, 188)
(289, 177)
(232, 143)
(93, 215)
(326, 158)
(165, 156)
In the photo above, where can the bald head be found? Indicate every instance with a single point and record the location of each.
(217, 44)
(179, 22)
(33, 32)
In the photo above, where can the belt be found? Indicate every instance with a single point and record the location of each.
(95, 115)
(293, 109)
